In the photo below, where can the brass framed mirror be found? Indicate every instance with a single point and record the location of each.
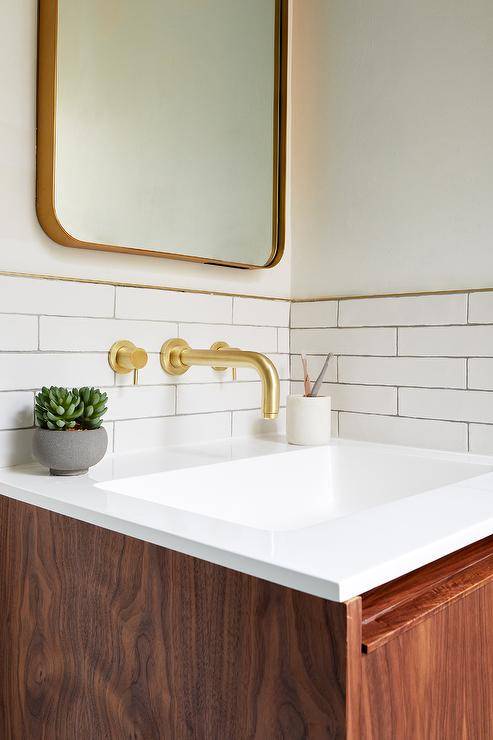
(161, 128)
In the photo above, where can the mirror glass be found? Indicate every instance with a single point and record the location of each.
(168, 127)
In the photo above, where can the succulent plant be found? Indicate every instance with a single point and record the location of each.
(94, 403)
(58, 408)
(63, 409)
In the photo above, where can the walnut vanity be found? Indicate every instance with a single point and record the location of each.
(205, 592)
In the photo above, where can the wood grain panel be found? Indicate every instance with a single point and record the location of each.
(434, 682)
(401, 604)
(104, 636)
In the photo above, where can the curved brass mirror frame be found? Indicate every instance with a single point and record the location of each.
(46, 142)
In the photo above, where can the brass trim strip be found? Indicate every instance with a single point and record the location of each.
(409, 294)
(121, 284)
(200, 291)
(46, 143)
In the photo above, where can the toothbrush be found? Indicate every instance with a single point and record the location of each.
(306, 379)
(317, 384)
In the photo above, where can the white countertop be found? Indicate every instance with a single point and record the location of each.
(332, 521)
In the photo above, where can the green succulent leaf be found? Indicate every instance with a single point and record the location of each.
(77, 408)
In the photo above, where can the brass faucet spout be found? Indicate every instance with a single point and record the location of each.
(177, 357)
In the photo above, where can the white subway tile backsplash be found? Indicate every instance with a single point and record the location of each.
(441, 366)
(421, 371)
(165, 305)
(283, 343)
(362, 398)
(16, 409)
(55, 297)
(344, 341)
(110, 431)
(256, 338)
(315, 314)
(480, 373)
(453, 405)
(437, 435)
(449, 341)
(195, 399)
(481, 308)
(481, 439)
(258, 312)
(407, 370)
(25, 371)
(15, 447)
(97, 335)
(249, 423)
(315, 364)
(282, 363)
(18, 332)
(140, 434)
(140, 402)
(404, 310)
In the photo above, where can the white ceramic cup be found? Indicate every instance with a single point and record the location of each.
(308, 420)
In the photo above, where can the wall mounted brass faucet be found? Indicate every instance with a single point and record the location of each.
(124, 357)
(177, 357)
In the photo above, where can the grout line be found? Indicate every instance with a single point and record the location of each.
(395, 357)
(360, 384)
(462, 422)
(210, 322)
(140, 319)
(405, 294)
(459, 325)
(17, 429)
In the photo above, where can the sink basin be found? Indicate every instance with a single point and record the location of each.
(291, 491)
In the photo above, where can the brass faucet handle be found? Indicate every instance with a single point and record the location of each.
(171, 356)
(218, 346)
(124, 357)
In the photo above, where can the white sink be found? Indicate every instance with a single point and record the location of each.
(287, 491)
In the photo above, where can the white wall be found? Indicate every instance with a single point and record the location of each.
(392, 146)
(23, 245)
(392, 156)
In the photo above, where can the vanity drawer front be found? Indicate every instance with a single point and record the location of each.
(427, 662)
(398, 606)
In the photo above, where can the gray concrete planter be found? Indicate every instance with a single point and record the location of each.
(69, 453)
